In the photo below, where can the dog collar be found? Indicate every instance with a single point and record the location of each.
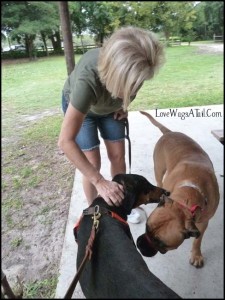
(192, 209)
(94, 210)
(192, 185)
(103, 211)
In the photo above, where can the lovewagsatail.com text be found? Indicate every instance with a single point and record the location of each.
(192, 112)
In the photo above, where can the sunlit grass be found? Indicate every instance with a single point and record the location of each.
(186, 79)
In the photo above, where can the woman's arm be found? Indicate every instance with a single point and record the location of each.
(111, 191)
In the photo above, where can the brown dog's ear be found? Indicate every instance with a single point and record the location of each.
(192, 230)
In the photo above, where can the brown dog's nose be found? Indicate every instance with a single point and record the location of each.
(145, 246)
(162, 251)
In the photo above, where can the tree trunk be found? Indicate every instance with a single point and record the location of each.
(30, 46)
(56, 41)
(82, 44)
(43, 36)
(67, 35)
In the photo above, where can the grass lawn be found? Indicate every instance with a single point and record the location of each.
(188, 78)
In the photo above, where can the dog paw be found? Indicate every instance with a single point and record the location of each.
(197, 261)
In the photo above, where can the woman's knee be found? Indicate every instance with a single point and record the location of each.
(116, 157)
(115, 151)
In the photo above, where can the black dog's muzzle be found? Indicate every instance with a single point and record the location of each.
(166, 193)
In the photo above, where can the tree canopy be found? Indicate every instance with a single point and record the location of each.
(24, 21)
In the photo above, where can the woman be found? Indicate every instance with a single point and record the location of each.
(96, 96)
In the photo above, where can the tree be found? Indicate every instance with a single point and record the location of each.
(24, 20)
(100, 19)
(67, 35)
(78, 17)
(170, 17)
(209, 19)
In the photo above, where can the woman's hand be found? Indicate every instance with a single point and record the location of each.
(111, 191)
(120, 114)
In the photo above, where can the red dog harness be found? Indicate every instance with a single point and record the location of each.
(96, 210)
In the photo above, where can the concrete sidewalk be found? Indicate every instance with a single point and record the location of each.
(173, 268)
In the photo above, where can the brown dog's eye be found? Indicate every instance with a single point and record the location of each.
(160, 244)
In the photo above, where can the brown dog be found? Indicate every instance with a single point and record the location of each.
(184, 169)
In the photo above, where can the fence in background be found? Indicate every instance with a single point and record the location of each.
(217, 38)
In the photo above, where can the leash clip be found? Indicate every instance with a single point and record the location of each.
(96, 217)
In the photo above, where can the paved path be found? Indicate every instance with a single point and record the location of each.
(172, 268)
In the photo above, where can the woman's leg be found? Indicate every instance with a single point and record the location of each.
(113, 133)
(116, 155)
(88, 141)
(89, 189)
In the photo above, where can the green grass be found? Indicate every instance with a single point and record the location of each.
(187, 79)
(33, 86)
(43, 288)
(12, 203)
(46, 129)
(16, 242)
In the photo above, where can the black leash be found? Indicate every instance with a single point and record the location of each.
(129, 143)
(88, 252)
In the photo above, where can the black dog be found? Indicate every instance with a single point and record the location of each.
(116, 268)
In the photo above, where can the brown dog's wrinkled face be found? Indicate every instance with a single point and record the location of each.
(165, 229)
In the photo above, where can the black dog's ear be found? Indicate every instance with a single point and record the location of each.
(145, 246)
(118, 178)
(129, 181)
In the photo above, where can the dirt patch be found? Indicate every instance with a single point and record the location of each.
(39, 116)
(209, 48)
(15, 61)
(36, 191)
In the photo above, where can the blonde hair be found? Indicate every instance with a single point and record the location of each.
(130, 56)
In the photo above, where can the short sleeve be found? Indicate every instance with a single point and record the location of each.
(82, 95)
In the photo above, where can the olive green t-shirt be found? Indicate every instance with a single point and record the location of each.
(84, 89)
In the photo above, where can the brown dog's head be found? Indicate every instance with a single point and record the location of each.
(166, 229)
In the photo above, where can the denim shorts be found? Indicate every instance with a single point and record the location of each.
(109, 129)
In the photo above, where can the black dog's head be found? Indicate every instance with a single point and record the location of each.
(138, 190)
